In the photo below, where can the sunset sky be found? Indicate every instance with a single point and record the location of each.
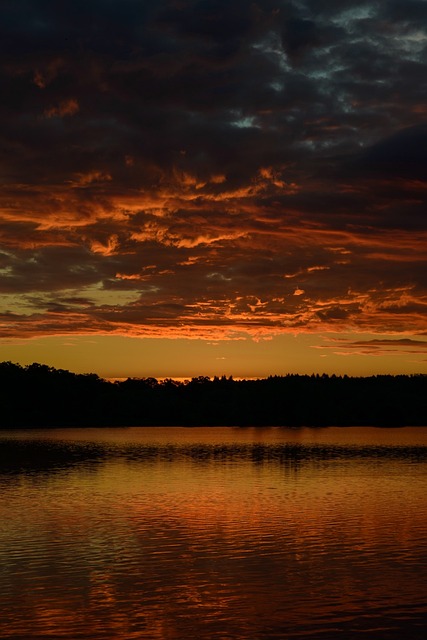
(208, 187)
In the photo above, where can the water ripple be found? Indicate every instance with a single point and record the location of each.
(107, 540)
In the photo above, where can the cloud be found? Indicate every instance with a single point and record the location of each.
(171, 164)
(65, 108)
(377, 346)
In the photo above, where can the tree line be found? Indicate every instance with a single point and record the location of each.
(37, 395)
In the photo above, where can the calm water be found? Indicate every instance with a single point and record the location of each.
(220, 533)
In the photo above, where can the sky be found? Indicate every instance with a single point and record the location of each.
(206, 187)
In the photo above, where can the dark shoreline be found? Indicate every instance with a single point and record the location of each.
(70, 427)
(39, 396)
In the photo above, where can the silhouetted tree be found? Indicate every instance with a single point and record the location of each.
(40, 396)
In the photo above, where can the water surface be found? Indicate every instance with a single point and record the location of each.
(173, 533)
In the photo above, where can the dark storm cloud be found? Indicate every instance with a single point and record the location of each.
(240, 164)
(402, 155)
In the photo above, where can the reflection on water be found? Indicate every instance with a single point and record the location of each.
(213, 533)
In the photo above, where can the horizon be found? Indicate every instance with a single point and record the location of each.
(214, 188)
(121, 357)
(216, 376)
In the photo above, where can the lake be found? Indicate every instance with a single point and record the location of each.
(213, 533)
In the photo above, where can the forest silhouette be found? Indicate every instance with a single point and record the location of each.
(38, 395)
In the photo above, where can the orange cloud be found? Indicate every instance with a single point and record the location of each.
(107, 250)
(65, 108)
